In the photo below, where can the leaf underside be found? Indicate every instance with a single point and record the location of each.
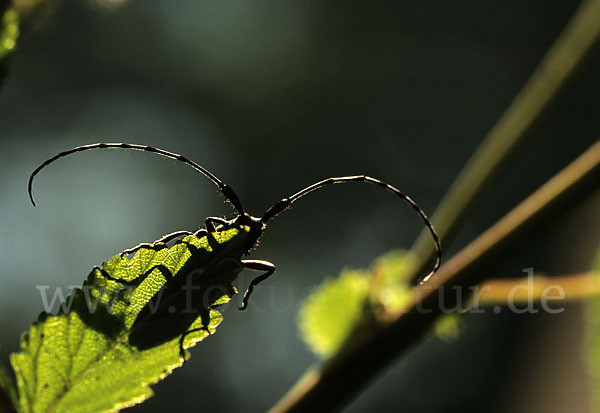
(80, 360)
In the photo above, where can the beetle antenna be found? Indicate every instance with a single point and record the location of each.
(225, 189)
(285, 203)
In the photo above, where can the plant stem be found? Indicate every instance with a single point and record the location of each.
(560, 62)
(572, 287)
(340, 378)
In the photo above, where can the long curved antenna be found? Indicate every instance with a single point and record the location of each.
(285, 203)
(226, 190)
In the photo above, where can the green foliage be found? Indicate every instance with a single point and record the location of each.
(592, 352)
(392, 272)
(341, 306)
(448, 327)
(330, 313)
(80, 360)
(9, 32)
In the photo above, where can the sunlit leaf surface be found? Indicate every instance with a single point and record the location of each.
(81, 360)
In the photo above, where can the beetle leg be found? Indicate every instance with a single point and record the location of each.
(211, 221)
(183, 336)
(163, 240)
(137, 281)
(214, 244)
(199, 234)
(256, 265)
(212, 241)
(205, 317)
(193, 249)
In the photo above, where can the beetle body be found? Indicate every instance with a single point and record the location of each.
(214, 261)
(205, 277)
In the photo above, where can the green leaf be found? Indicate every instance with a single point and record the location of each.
(329, 314)
(338, 308)
(392, 272)
(592, 351)
(448, 327)
(341, 309)
(80, 360)
(9, 32)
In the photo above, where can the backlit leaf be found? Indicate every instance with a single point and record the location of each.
(80, 360)
(345, 307)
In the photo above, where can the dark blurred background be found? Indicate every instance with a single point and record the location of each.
(272, 96)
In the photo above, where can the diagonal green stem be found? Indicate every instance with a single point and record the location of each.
(344, 375)
(572, 287)
(560, 62)
(339, 379)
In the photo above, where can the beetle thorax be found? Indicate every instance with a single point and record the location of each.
(253, 225)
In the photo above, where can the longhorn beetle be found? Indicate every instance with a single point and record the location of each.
(218, 267)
